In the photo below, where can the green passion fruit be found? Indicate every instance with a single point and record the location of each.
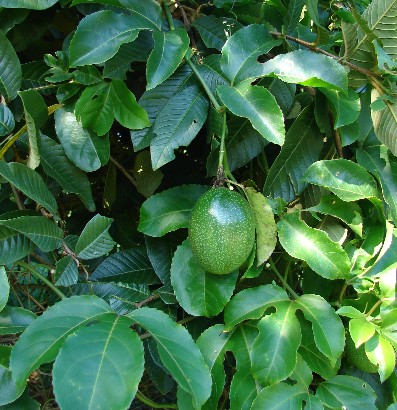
(358, 357)
(221, 230)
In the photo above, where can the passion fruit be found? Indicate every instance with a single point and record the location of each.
(221, 230)
(358, 358)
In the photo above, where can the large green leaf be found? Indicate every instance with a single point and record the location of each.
(128, 266)
(58, 166)
(178, 352)
(274, 351)
(30, 183)
(13, 245)
(105, 359)
(380, 351)
(346, 391)
(169, 210)
(259, 106)
(147, 13)
(83, 147)
(7, 121)
(280, 396)
(385, 121)
(383, 165)
(252, 304)
(302, 147)
(328, 329)
(324, 256)
(177, 124)
(91, 46)
(346, 179)
(15, 320)
(307, 68)
(10, 69)
(240, 53)
(28, 4)
(198, 292)
(95, 240)
(41, 341)
(4, 287)
(169, 49)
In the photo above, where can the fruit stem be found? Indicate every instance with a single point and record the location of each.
(222, 148)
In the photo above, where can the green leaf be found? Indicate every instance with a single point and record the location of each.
(128, 266)
(345, 108)
(90, 46)
(7, 121)
(40, 230)
(314, 246)
(294, 12)
(252, 304)
(328, 329)
(169, 49)
(346, 179)
(95, 240)
(50, 330)
(307, 68)
(179, 354)
(4, 288)
(279, 396)
(380, 351)
(385, 122)
(302, 373)
(361, 330)
(302, 146)
(148, 14)
(147, 180)
(13, 245)
(241, 51)
(15, 320)
(259, 106)
(215, 31)
(160, 252)
(88, 357)
(274, 351)
(83, 147)
(58, 166)
(36, 114)
(266, 229)
(9, 392)
(66, 273)
(169, 210)
(30, 183)
(28, 4)
(198, 292)
(177, 124)
(346, 391)
(24, 401)
(10, 68)
(348, 212)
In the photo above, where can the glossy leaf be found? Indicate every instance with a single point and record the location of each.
(252, 304)
(13, 245)
(348, 391)
(361, 330)
(9, 392)
(302, 146)
(66, 273)
(57, 165)
(10, 68)
(83, 147)
(30, 183)
(266, 229)
(177, 124)
(127, 266)
(15, 320)
(240, 53)
(148, 14)
(307, 68)
(259, 106)
(198, 292)
(7, 121)
(89, 356)
(279, 396)
(324, 256)
(50, 330)
(92, 46)
(95, 240)
(346, 179)
(160, 252)
(28, 4)
(178, 352)
(169, 49)
(274, 351)
(380, 351)
(4, 288)
(169, 210)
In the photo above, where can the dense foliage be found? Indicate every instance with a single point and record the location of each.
(116, 116)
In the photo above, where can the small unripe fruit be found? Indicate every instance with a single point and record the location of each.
(221, 230)
(358, 357)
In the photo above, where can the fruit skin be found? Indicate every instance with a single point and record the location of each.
(221, 230)
(358, 357)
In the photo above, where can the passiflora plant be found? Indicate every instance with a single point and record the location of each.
(274, 124)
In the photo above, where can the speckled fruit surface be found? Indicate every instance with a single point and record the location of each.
(221, 230)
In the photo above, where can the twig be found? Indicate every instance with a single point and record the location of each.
(141, 397)
(124, 171)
